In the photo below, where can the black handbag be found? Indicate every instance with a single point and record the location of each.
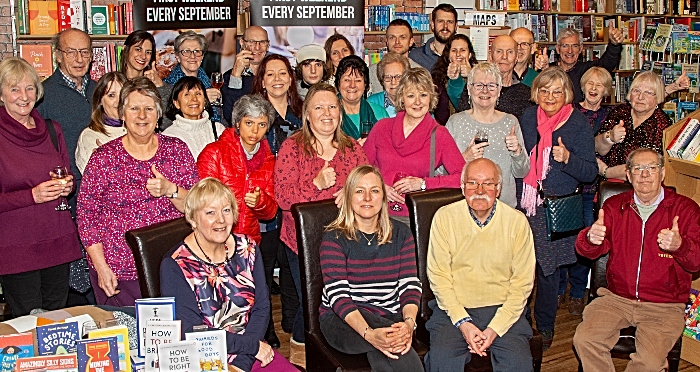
(564, 215)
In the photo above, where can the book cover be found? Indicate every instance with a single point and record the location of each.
(161, 308)
(159, 332)
(649, 33)
(59, 338)
(99, 62)
(100, 20)
(98, 355)
(671, 110)
(121, 332)
(55, 363)
(138, 364)
(179, 356)
(681, 141)
(211, 349)
(685, 108)
(110, 15)
(23, 17)
(692, 315)
(39, 56)
(692, 150)
(663, 32)
(691, 70)
(43, 17)
(71, 14)
(14, 347)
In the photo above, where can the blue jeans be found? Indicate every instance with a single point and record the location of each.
(298, 327)
(578, 271)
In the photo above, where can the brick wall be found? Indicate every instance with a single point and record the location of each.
(5, 30)
(373, 42)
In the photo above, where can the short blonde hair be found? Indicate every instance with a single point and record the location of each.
(205, 192)
(345, 222)
(546, 78)
(652, 79)
(416, 78)
(14, 69)
(603, 74)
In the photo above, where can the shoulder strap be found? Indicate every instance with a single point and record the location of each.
(432, 152)
(213, 128)
(52, 133)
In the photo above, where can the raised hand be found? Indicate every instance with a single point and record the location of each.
(512, 143)
(560, 153)
(464, 69)
(670, 239)
(617, 134)
(542, 60)
(453, 70)
(615, 35)
(596, 234)
(251, 199)
(159, 185)
(325, 177)
(243, 59)
(474, 151)
(153, 75)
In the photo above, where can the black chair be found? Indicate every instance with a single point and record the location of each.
(626, 344)
(422, 207)
(149, 245)
(311, 220)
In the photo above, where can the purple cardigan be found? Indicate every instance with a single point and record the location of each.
(34, 236)
(388, 149)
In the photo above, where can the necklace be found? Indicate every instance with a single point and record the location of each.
(209, 260)
(434, 49)
(369, 241)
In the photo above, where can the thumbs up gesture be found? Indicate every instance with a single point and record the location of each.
(560, 153)
(325, 177)
(670, 239)
(153, 75)
(617, 134)
(615, 35)
(512, 143)
(542, 60)
(596, 234)
(159, 185)
(251, 199)
(453, 70)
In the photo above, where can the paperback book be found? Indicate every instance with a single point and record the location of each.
(14, 347)
(98, 355)
(59, 338)
(160, 308)
(53, 363)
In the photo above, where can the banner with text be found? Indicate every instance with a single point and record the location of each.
(307, 12)
(184, 14)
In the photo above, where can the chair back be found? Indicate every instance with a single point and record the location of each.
(149, 245)
(421, 208)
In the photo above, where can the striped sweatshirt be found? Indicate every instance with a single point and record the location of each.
(379, 278)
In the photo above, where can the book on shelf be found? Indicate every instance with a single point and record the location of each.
(22, 15)
(683, 137)
(71, 14)
(179, 356)
(692, 315)
(39, 56)
(121, 332)
(53, 363)
(14, 347)
(685, 108)
(211, 349)
(159, 308)
(671, 110)
(43, 17)
(100, 20)
(159, 332)
(98, 355)
(691, 70)
(661, 38)
(58, 338)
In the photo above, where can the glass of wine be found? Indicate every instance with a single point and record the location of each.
(217, 81)
(60, 173)
(365, 127)
(398, 177)
(481, 136)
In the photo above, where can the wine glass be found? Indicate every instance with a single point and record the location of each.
(398, 177)
(365, 127)
(88, 326)
(60, 173)
(217, 81)
(481, 136)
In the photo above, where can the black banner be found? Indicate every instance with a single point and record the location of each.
(184, 14)
(307, 12)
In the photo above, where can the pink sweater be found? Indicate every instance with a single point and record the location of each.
(391, 152)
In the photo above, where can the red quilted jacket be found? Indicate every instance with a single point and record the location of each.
(225, 160)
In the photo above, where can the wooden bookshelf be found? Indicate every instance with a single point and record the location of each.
(49, 37)
(415, 33)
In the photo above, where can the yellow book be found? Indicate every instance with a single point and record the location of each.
(122, 335)
(513, 5)
(43, 17)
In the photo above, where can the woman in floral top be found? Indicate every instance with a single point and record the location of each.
(214, 277)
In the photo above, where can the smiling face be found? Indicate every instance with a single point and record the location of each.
(191, 63)
(398, 39)
(444, 26)
(339, 50)
(312, 71)
(252, 130)
(276, 79)
(483, 98)
(191, 103)
(110, 101)
(390, 86)
(552, 97)
(368, 199)
(647, 185)
(258, 43)
(644, 102)
(523, 37)
(569, 50)
(214, 222)
(352, 87)
(140, 115)
(76, 67)
(323, 114)
(140, 56)
(416, 102)
(481, 200)
(19, 98)
(594, 90)
(503, 53)
(459, 51)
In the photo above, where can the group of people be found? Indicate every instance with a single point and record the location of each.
(510, 132)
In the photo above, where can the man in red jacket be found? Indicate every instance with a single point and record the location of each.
(652, 235)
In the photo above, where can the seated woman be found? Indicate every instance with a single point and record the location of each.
(389, 71)
(371, 288)
(352, 82)
(448, 74)
(237, 300)
(191, 113)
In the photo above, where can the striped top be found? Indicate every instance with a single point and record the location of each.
(381, 279)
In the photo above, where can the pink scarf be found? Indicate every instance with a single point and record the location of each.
(539, 165)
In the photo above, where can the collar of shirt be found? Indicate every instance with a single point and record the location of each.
(74, 86)
(488, 219)
(655, 203)
(387, 101)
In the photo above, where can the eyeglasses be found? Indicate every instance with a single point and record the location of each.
(643, 94)
(473, 185)
(570, 46)
(638, 169)
(524, 45)
(546, 93)
(252, 43)
(191, 53)
(490, 86)
(72, 53)
(391, 78)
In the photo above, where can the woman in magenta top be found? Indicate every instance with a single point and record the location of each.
(400, 146)
(312, 164)
(134, 181)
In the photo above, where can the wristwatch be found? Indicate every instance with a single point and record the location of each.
(422, 185)
(415, 326)
(607, 137)
(174, 195)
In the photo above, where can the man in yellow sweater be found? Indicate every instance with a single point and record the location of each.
(481, 267)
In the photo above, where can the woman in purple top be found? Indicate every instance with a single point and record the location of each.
(135, 181)
(38, 241)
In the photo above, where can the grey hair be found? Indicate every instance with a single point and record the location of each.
(499, 171)
(254, 106)
(488, 68)
(144, 86)
(56, 39)
(191, 35)
(630, 157)
(391, 57)
(568, 32)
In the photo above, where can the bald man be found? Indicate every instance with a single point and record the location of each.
(526, 48)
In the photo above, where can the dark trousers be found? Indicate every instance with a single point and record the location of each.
(343, 338)
(546, 301)
(449, 350)
(273, 251)
(578, 271)
(39, 289)
(298, 327)
(288, 291)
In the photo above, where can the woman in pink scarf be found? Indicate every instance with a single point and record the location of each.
(560, 143)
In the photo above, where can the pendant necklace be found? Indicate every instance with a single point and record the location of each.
(369, 241)
(209, 260)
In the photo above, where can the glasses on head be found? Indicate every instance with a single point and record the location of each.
(642, 93)
(72, 53)
(546, 93)
(252, 43)
(191, 53)
(524, 45)
(570, 46)
(652, 168)
(473, 185)
(392, 78)
(490, 86)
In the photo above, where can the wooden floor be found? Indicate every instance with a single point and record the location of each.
(560, 358)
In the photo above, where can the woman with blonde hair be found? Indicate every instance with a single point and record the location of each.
(371, 288)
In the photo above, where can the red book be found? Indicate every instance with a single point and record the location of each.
(39, 56)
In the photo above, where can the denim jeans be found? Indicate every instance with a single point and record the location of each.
(298, 327)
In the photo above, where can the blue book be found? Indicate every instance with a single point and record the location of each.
(59, 338)
(98, 355)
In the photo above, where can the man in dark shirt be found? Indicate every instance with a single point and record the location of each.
(443, 22)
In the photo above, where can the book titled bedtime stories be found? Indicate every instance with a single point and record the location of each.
(59, 338)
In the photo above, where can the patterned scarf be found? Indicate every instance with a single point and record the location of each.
(178, 74)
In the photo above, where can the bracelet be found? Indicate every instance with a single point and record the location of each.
(364, 334)
(605, 172)
(608, 136)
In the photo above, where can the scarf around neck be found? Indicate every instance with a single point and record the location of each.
(366, 116)
(539, 157)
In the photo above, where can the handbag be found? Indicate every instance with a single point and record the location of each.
(564, 215)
